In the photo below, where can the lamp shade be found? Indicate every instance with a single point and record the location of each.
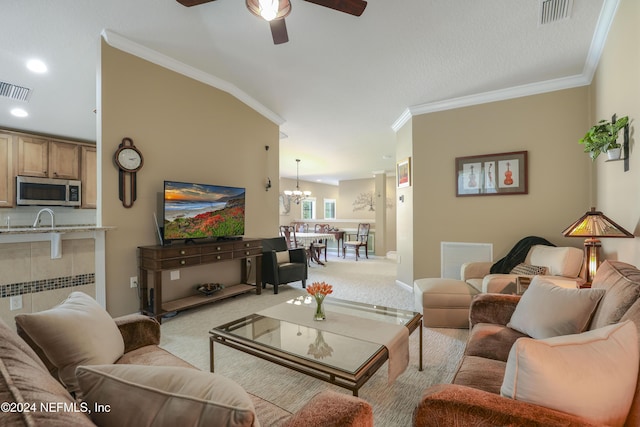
(591, 226)
(595, 224)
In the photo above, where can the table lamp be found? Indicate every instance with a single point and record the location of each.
(592, 225)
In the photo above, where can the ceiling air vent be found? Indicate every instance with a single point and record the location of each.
(555, 10)
(16, 92)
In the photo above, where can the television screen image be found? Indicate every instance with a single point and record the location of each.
(199, 211)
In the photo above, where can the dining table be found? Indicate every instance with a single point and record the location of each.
(308, 239)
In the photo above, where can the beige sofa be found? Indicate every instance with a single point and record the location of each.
(501, 361)
(563, 266)
(30, 386)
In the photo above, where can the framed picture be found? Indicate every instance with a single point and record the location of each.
(403, 173)
(492, 174)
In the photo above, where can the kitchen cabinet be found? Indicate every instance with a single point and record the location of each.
(89, 177)
(7, 171)
(45, 158)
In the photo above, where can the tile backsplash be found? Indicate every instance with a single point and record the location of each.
(27, 271)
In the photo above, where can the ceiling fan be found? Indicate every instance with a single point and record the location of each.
(274, 11)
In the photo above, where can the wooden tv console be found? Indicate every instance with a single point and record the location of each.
(155, 259)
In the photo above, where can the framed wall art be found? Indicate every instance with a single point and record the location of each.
(492, 174)
(403, 173)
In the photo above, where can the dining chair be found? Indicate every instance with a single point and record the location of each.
(321, 244)
(301, 227)
(289, 234)
(361, 239)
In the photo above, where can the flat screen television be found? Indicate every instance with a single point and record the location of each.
(200, 211)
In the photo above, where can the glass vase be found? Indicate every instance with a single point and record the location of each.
(319, 314)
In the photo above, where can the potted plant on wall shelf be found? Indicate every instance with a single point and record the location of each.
(603, 137)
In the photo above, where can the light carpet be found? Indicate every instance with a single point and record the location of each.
(367, 280)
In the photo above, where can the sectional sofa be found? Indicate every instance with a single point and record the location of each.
(74, 365)
(552, 357)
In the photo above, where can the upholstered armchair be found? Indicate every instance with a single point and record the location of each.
(281, 265)
(560, 265)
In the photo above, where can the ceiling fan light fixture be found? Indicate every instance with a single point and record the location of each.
(269, 9)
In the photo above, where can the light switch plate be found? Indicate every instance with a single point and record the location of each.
(15, 302)
(175, 275)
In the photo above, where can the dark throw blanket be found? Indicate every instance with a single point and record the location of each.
(517, 254)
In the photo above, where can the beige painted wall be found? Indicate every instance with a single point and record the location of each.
(405, 209)
(349, 191)
(547, 126)
(392, 204)
(616, 89)
(187, 131)
(318, 191)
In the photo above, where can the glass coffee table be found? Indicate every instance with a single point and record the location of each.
(335, 358)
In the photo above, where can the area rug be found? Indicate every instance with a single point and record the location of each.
(373, 281)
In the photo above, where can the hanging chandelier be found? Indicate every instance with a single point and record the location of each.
(297, 195)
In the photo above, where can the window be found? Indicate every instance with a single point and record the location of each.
(329, 209)
(308, 209)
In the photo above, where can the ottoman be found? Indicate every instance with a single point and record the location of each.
(444, 302)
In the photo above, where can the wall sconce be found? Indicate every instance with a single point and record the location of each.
(592, 225)
(267, 184)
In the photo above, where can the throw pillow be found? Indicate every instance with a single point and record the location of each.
(591, 375)
(528, 270)
(142, 395)
(560, 261)
(546, 310)
(76, 332)
(282, 257)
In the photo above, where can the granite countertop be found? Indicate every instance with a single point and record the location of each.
(57, 229)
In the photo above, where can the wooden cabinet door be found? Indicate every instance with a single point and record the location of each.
(64, 160)
(89, 177)
(7, 171)
(33, 156)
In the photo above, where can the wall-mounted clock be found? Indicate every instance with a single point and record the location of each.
(129, 160)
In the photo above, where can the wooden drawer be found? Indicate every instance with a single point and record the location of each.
(216, 249)
(247, 252)
(247, 244)
(215, 257)
(179, 262)
(165, 253)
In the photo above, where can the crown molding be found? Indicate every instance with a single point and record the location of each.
(603, 26)
(119, 42)
(605, 20)
(493, 96)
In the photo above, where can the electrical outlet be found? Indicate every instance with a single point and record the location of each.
(15, 302)
(133, 281)
(175, 275)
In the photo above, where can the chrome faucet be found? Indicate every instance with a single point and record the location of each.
(50, 212)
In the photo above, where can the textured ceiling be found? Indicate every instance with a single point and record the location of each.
(339, 85)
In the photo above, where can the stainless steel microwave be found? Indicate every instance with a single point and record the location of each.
(47, 191)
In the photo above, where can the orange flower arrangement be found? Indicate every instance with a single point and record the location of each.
(319, 290)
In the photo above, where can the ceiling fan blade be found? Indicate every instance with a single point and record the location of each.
(190, 3)
(352, 7)
(279, 31)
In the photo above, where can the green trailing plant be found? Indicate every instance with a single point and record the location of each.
(603, 136)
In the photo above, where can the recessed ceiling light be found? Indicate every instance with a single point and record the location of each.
(19, 112)
(37, 66)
